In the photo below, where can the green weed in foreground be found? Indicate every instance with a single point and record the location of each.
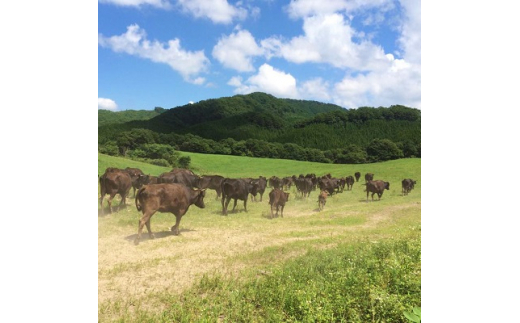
(362, 282)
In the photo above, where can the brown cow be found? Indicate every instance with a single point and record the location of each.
(174, 198)
(322, 199)
(114, 181)
(376, 187)
(408, 185)
(349, 181)
(134, 175)
(357, 175)
(277, 199)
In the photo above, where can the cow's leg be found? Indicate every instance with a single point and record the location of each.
(175, 228)
(367, 194)
(245, 204)
(282, 210)
(110, 201)
(101, 203)
(234, 205)
(225, 205)
(261, 194)
(144, 220)
(148, 227)
(272, 213)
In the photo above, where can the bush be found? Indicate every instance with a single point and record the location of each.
(382, 150)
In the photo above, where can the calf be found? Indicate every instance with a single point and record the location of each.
(408, 185)
(322, 199)
(174, 198)
(114, 181)
(277, 199)
(376, 187)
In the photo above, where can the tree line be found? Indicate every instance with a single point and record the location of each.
(259, 125)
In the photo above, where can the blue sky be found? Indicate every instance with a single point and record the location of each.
(167, 53)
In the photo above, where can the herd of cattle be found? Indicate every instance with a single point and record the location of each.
(177, 190)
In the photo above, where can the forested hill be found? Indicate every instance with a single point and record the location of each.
(261, 125)
(106, 117)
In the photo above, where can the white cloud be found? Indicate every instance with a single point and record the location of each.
(218, 11)
(106, 104)
(410, 39)
(164, 4)
(307, 8)
(269, 80)
(400, 84)
(237, 50)
(134, 42)
(328, 39)
(315, 89)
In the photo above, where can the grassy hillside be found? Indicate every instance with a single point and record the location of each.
(354, 261)
(106, 117)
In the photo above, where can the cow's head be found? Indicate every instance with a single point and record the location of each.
(199, 198)
(387, 185)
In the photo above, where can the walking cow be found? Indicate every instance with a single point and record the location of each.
(376, 187)
(114, 181)
(277, 199)
(174, 198)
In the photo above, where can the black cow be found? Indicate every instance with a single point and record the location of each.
(145, 180)
(358, 175)
(261, 182)
(304, 186)
(180, 177)
(330, 185)
(275, 182)
(369, 177)
(408, 185)
(376, 187)
(174, 198)
(213, 182)
(349, 181)
(277, 199)
(237, 189)
(114, 181)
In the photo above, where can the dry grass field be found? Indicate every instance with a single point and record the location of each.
(242, 244)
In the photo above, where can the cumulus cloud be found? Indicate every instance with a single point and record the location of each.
(328, 39)
(237, 50)
(315, 89)
(400, 84)
(218, 11)
(269, 80)
(164, 4)
(134, 42)
(106, 104)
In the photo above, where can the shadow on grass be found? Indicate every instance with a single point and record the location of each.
(158, 234)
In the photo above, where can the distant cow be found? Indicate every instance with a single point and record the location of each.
(408, 185)
(330, 185)
(275, 182)
(262, 184)
(145, 180)
(277, 199)
(369, 177)
(134, 175)
(357, 175)
(237, 189)
(212, 182)
(304, 186)
(180, 177)
(376, 187)
(114, 181)
(349, 181)
(174, 198)
(322, 199)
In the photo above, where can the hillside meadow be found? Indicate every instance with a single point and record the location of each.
(352, 262)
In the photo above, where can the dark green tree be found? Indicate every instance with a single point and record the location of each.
(383, 149)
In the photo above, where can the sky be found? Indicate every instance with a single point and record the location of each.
(168, 53)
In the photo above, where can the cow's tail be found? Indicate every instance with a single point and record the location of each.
(137, 200)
